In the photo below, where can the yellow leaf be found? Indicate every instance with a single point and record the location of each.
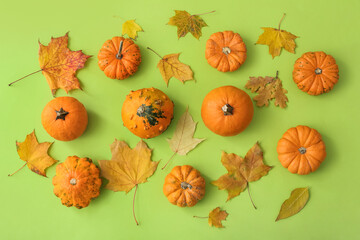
(170, 66)
(291, 206)
(187, 23)
(277, 39)
(216, 216)
(35, 154)
(131, 28)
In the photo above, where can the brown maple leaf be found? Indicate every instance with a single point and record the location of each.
(188, 23)
(127, 167)
(277, 39)
(215, 217)
(268, 88)
(34, 154)
(59, 64)
(170, 66)
(241, 171)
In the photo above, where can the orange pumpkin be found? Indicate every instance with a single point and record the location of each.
(301, 150)
(76, 182)
(227, 110)
(147, 112)
(315, 73)
(119, 58)
(184, 186)
(64, 118)
(225, 51)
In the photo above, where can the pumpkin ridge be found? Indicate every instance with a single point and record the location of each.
(294, 156)
(300, 81)
(328, 77)
(292, 143)
(306, 58)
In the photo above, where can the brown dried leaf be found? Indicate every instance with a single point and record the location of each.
(279, 94)
(256, 84)
(216, 216)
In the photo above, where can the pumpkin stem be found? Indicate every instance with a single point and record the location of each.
(17, 170)
(61, 114)
(73, 181)
(168, 161)
(155, 52)
(281, 20)
(226, 50)
(227, 109)
(302, 150)
(318, 71)
(25, 77)
(185, 185)
(248, 188)
(202, 13)
(136, 186)
(119, 55)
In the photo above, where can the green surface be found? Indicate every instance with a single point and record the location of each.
(30, 210)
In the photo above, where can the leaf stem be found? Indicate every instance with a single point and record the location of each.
(25, 77)
(202, 13)
(17, 170)
(199, 217)
(281, 20)
(248, 188)
(136, 186)
(155, 52)
(277, 75)
(168, 161)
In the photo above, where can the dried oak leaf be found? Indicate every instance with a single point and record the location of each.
(131, 28)
(216, 216)
(277, 39)
(268, 88)
(127, 167)
(187, 23)
(241, 171)
(183, 140)
(34, 154)
(291, 206)
(59, 64)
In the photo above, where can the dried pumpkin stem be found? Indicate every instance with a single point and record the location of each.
(203, 13)
(119, 55)
(281, 20)
(248, 188)
(168, 161)
(136, 186)
(17, 170)
(155, 52)
(24, 77)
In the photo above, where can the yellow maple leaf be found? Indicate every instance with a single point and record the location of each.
(216, 216)
(277, 39)
(131, 28)
(34, 154)
(187, 23)
(127, 167)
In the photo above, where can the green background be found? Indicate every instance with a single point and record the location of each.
(28, 207)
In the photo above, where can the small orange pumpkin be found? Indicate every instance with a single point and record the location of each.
(64, 118)
(315, 73)
(225, 51)
(227, 110)
(76, 182)
(119, 58)
(184, 186)
(301, 150)
(147, 112)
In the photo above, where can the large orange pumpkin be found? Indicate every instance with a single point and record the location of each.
(301, 150)
(227, 110)
(184, 186)
(315, 73)
(147, 112)
(225, 51)
(119, 58)
(64, 118)
(76, 182)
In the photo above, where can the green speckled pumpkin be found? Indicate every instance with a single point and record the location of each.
(147, 112)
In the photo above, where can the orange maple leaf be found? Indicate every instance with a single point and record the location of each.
(34, 154)
(241, 171)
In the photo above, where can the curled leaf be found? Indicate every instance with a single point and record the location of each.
(291, 206)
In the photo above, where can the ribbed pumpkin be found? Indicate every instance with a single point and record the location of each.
(147, 112)
(184, 186)
(227, 110)
(315, 73)
(119, 58)
(64, 118)
(225, 51)
(76, 182)
(301, 150)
